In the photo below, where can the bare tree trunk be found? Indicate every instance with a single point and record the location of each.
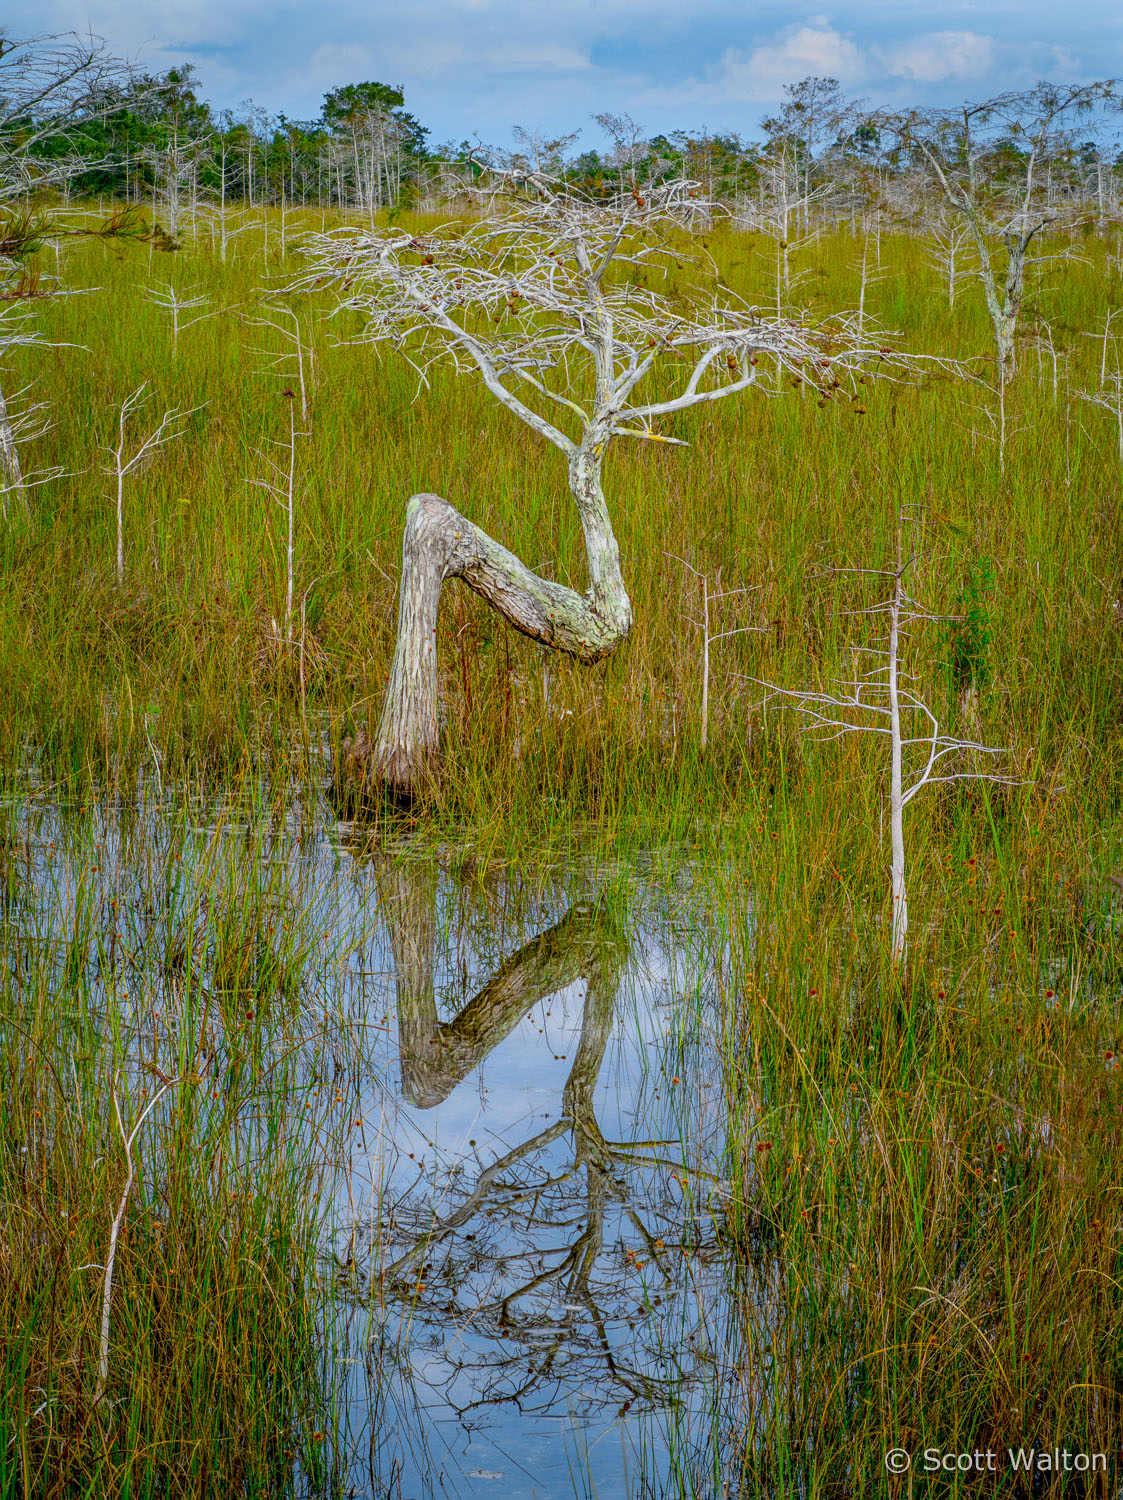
(896, 792)
(120, 522)
(437, 1055)
(1004, 302)
(377, 271)
(440, 543)
(11, 475)
(1005, 325)
(706, 659)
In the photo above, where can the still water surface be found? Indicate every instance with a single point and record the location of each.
(527, 1175)
(528, 1226)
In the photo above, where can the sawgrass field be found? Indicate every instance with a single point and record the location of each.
(920, 1221)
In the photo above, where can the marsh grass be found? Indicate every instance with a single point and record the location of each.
(937, 1183)
(182, 664)
(179, 976)
(934, 1182)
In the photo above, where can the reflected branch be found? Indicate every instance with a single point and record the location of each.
(532, 1271)
(437, 1055)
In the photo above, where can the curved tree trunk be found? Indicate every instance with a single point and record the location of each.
(440, 543)
(437, 1055)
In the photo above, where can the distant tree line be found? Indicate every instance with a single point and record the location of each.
(155, 140)
(152, 140)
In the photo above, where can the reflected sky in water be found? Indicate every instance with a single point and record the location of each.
(517, 1084)
(529, 1234)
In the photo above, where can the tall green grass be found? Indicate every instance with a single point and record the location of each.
(182, 665)
(144, 971)
(929, 1171)
(927, 1167)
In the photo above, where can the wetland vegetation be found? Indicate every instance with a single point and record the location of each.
(572, 1131)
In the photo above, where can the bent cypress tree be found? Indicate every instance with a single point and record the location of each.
(548, 303)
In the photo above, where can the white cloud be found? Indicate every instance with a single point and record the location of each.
(938, 55)
(815, 48)
(447, 54)
(757, 75)
(1063, 63)
(480, 64)
(142, 27)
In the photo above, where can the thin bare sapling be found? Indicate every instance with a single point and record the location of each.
(710, 638)
(19, 424)
(53, 87)
(1107, 342)
(11, 471)
(950, 247)
(883, 701)
(22, 292)
(550, 302)
(1001, 167)
(115, 1230)
(867, 277)
(281, 487)
(1109, 398)
(180, 308)
(297, 362)
(782, 204)
(1044, 344)
(22, 423)
(124, 459)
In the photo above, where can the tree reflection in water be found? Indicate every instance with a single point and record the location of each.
(570, 1274)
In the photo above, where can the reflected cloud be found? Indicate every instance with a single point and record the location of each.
(574, 1268)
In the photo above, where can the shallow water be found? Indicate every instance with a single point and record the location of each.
(525, 1165)
(528, 1228)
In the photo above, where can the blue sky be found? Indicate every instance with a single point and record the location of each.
(481, 66)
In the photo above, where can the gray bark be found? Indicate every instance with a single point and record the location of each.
(1004, 304)
(437, 1055)
(11, 475)
(896, 790)
(439, 544)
